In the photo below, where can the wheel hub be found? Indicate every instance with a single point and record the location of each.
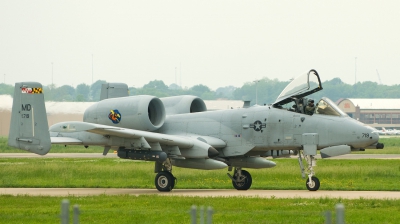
(163, 181)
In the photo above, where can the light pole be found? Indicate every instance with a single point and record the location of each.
(257, 81)
(92, 69)
(52, 83)
(355, 70)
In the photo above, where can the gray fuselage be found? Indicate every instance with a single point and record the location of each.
(262, 128)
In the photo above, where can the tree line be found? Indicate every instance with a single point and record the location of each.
(267, 91)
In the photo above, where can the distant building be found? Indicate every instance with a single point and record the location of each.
(374, 112)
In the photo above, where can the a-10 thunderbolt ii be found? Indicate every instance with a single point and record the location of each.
(179, 131)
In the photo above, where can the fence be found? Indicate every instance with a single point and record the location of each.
(193, 214)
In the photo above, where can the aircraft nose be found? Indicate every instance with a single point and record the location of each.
(367, 138)
(374, 136)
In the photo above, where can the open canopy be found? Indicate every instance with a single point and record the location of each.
(303, 85)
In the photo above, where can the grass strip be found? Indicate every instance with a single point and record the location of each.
(165, 209)
(366, 174)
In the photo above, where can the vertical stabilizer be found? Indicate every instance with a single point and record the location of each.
(113, 90)
(29, 129)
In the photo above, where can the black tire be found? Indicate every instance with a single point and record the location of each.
(164, 181)
(174, 181)
(245, 184)
(314, 185)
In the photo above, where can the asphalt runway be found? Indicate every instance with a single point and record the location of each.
(202, 193)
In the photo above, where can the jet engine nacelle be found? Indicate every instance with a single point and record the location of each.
(251, 162)
(204, 164)
(183, 104)
(144, 112)
(335, 151)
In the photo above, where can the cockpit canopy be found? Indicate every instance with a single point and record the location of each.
(300, 87)
(293, 97)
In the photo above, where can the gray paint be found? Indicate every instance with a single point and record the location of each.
(237, 138)
(28, 127)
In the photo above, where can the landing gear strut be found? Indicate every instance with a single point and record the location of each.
(241, 179)
(312, 182)
(164, 180)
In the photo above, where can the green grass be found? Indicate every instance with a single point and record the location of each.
(166, 209)
(366, 174)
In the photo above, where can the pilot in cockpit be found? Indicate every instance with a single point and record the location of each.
(310, 108)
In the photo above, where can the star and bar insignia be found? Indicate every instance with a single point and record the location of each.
(258, 125)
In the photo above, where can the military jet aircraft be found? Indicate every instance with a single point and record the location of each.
(179, 131)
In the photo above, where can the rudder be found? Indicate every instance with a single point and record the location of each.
(113, 90)
(29, 129)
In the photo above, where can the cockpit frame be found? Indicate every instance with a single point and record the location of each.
(299, 88)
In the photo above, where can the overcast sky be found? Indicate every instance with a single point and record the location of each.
(215, 43)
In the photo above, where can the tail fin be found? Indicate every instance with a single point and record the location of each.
(113, 90)
(29, 129)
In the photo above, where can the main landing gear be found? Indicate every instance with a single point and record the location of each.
(241, 179)
(312, 182)
(164, 180)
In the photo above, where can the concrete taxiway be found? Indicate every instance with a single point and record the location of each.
(202, 193)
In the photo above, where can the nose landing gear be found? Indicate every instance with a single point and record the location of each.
(312, 182)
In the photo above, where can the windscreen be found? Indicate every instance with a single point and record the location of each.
(327, 107)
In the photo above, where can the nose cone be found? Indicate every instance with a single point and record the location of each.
(363, 136)
(374, 136)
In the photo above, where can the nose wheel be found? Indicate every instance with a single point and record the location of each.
(312, 183)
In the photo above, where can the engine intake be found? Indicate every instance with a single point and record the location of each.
(183, 104)
(144, 112)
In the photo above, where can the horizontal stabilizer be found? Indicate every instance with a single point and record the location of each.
(65, 140)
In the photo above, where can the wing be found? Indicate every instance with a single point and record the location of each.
(190, 146)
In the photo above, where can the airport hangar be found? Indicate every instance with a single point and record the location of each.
(376, 113)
